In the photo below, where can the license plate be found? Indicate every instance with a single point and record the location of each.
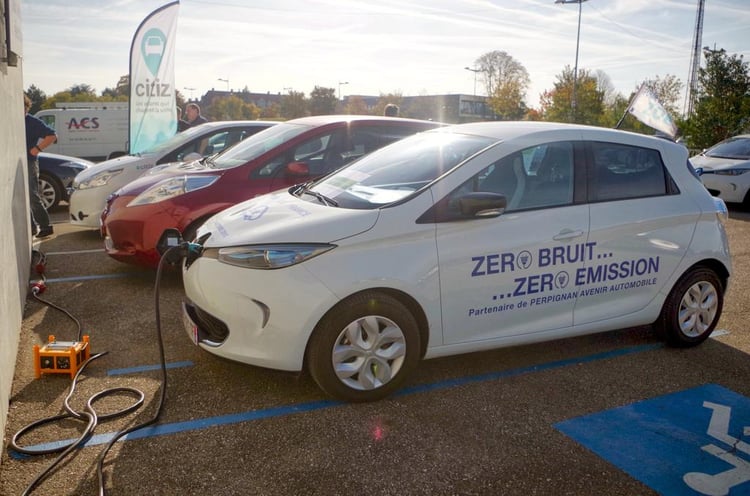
(190, 327)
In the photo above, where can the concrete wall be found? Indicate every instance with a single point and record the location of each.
(15, 241)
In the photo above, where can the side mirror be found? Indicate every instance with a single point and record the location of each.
(482, 204)
(298, 169)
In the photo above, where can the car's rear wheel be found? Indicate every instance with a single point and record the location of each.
(692, 308)
(50, 191)
(364, 348)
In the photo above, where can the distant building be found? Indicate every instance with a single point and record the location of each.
(453, 109)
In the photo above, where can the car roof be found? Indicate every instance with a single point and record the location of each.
(319, 120)
(509, 130)
(212, 124)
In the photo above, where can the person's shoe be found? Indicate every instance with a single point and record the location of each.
(44, 232)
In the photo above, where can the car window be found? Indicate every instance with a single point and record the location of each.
(49, 120)
(536, 177)
(623, 172)
(320, 154)
(258, 144)
(396, 171)
(734, 148)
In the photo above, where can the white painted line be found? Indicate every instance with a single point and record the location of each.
(73, 252)
(718, 332)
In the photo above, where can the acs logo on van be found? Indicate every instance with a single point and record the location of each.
(84, 123)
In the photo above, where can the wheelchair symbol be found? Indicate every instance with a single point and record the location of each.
(720, 484)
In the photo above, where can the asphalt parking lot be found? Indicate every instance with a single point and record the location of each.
(616, 413)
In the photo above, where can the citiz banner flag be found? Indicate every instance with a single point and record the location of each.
(646, 108)
(153, 115)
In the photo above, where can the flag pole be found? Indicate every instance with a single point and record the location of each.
(617, 126)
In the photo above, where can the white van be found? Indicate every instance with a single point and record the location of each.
(91, 130)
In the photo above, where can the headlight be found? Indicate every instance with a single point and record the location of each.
(730, 172)
(269, 256)
(97, 180)
(169, 188)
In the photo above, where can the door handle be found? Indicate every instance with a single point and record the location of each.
(568, 234)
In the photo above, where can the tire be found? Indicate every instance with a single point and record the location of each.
(364, 348)
(50, 191)
(692, 308)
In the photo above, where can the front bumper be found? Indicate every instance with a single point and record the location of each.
(731, 189)
(260, 317)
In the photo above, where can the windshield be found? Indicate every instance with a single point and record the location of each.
(735, 148)
(175, 141)
(398, 170)
(257, 144)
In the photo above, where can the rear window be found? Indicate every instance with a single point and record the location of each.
(623, 172)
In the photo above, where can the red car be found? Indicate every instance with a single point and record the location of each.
(184, 196)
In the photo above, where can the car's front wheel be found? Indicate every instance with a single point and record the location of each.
(692, 308)
(364, 348)
(50, 191)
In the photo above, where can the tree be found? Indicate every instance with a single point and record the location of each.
(322, 101)
(293, 105)
(355, 105)
(232, 108)
(37, 98)
(667, 91)
(506, 81)
(556, 103)
(722, 103)
(82, 89)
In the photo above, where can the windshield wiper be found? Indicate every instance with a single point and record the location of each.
(302, 189)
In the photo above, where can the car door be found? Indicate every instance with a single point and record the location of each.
(641, 228)
(512, 274)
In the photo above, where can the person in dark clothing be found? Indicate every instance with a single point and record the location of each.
(38, 137)
(391, 110)
(194, 116)
(182, 124)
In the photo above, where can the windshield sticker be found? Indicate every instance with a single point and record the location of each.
(600, 275)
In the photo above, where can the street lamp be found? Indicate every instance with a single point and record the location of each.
(190, 90)
(573, 101)
(226, 81)
(341, 83)
(475, 77)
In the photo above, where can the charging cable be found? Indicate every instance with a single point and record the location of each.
(89, 414)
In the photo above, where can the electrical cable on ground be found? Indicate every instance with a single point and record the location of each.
(89, 414)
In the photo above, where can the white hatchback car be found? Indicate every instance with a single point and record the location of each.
(90, 188)
(462, 239)
(726, 169)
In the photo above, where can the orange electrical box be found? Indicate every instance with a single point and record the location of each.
(61, 357)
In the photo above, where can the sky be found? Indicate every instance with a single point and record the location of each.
(361, 47)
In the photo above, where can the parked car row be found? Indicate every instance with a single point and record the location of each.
(354, 247)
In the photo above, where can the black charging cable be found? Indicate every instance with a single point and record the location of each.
(89, 414)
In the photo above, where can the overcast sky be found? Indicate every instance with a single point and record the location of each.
(389, 46)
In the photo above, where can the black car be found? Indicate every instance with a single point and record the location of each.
(56, 173)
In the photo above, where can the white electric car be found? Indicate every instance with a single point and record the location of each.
(90, 188)
(456, 240)
(726, 169)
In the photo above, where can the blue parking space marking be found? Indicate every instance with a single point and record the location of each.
(693, 442)
(148, 368)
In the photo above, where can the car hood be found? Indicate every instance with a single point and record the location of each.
(281, 217)
(714, 163)
(177, 167)
(124, 162)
